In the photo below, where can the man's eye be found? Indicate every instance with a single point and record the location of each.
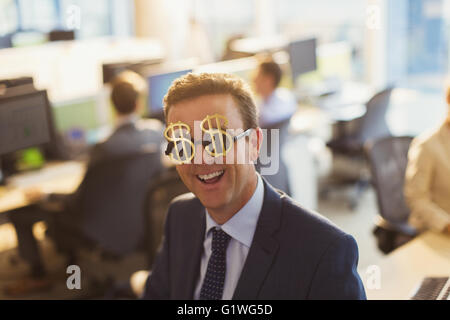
(206, 143)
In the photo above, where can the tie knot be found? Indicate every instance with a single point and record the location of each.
(220, 240)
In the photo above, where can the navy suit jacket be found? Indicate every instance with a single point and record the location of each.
(295, 254)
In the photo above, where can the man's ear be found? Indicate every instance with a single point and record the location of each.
(256, 139)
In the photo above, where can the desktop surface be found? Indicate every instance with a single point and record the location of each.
(403, 270)
(54, 177)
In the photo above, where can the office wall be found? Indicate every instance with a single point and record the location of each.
(167, 21)
(69, 70)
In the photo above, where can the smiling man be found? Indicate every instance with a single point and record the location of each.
(235, 236)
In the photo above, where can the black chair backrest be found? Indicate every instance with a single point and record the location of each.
(112, 195)
(373, 124)
(162, 191)
(6, 41)
(388, 158)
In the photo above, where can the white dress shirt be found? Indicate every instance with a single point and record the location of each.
(241, 228)
(279, 106)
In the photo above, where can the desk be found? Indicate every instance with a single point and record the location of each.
(410, 112)
(402, 271)
(56, 177)
(260, 44)
(345, 105)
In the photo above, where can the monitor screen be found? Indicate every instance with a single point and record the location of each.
(158, 86)
(61, 35)
(302, 54)
(24, 121)
(111, 70)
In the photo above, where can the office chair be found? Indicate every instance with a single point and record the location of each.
(371, 126)
(161, 192)
(6, 41)
(388, 158)
(280, 180)
(109, 203)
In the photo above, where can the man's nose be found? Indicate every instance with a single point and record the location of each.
(202, 156)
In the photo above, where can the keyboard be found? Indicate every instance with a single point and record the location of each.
(433, 288)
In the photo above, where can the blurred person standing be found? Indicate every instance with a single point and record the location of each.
(427, 181)
(277, 104)
(130, 136)
(276, 108)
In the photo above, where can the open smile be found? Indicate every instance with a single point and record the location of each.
(211, 178)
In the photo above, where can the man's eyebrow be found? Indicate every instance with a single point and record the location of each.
(222, 126)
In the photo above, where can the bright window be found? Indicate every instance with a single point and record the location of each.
(8, 17)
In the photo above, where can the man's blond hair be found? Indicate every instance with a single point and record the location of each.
(194, 85)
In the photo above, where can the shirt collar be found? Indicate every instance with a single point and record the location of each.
(242, 225)
(270, 97)
(126, 119)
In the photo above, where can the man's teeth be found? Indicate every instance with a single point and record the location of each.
(210, 175)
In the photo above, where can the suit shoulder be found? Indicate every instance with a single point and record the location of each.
(185, 204)
(309, 223)
(183, 210)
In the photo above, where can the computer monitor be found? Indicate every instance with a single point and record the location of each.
(158, 85)
(302, 54)
(25, 121)
(16, 86)
(111, 70)
(16, 82)
(61, 35)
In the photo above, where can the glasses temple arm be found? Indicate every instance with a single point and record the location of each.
(243, 134)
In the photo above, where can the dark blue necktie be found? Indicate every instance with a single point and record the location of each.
(212, 287)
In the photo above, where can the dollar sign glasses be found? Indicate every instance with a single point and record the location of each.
(218, 142)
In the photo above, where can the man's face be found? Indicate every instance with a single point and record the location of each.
(263, 83)
(233, 182)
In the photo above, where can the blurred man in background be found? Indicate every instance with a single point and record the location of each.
(130, 135)
(427, 185)
(276, 107)
(277, 104)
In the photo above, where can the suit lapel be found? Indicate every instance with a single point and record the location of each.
(263, 249)
(191, 253)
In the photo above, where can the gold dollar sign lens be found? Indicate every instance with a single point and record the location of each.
(218, 147)
(182, 138)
